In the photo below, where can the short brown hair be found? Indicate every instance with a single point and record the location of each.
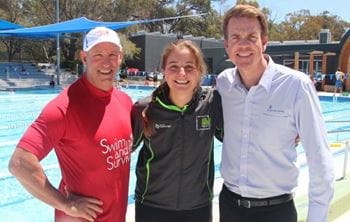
(249, 11)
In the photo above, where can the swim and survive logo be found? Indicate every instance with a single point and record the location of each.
(118, 152)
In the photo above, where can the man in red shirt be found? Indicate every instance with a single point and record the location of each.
(88, 126)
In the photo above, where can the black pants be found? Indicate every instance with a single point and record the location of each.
(145, 213)
(231, 212)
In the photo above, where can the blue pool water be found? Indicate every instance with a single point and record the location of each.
(19, 109)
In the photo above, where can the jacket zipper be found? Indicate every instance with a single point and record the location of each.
(181, 160)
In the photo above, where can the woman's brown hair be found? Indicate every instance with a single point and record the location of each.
(200, 65)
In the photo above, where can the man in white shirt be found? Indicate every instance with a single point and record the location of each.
(266, 106)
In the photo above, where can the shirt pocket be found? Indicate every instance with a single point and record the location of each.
(278, 115)
(274, 120)
(272, 129)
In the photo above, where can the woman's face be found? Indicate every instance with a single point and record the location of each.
(181, 72)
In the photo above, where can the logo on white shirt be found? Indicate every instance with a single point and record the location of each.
(274, 110)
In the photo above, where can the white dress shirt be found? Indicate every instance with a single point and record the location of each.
(261, 124)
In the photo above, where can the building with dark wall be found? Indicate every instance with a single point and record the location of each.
(152, 45)
(344, 53)
(311, 56)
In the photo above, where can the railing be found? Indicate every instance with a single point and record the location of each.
(346, 154)
(342, 144)
(338, 131)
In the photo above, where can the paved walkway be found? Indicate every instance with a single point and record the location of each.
(341, 198)
(344, 218)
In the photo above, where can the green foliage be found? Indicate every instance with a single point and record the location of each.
(299, 25)
(248, 2)
(130, 49)
(11, 10)
(208, 26)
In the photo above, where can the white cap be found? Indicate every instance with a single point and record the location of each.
(98, 35)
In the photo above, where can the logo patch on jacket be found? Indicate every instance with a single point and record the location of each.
(203, 122)
(162, 125)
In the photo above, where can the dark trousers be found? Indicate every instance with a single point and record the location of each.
(231, 212)
(145, 213)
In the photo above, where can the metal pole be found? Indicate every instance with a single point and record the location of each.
(58, 44)
(347, 148)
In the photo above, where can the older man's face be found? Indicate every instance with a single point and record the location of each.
(102, 63)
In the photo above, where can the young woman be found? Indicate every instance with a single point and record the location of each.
(176, 125)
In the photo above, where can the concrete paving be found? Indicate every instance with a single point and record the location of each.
(340, 209)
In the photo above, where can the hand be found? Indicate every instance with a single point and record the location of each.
(84, 207)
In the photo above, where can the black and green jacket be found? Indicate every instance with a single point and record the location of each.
(175, 167)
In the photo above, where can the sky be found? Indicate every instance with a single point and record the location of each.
(280, 8)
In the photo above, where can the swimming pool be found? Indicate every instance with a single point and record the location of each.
(19, 109)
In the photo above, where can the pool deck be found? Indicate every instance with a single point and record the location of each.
(339, 211)
(340, 206)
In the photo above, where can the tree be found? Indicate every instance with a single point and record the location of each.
(297, 25)
(248, 2)
(208, 26)
(188, 7)
(169, 8)
(221, 5)
(11, 11)
(152, 9)
(334, 23)
(301, 25)
(100, 10)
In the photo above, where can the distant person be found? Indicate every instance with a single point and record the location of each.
(155, 79)
(313, 80)
(149, 78)
(24, 71)
(213, 80)
(176, 125)
(339, 81)
(117, 79)
(7, 71)
(52, 81)
(266, 106)
(89, 127)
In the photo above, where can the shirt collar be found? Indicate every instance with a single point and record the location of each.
(268, 75)
(98, 93)
(164, 98)
(235, 79)
(266, 78)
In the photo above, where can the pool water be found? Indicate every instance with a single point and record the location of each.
(18, 110)
(336, 113)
